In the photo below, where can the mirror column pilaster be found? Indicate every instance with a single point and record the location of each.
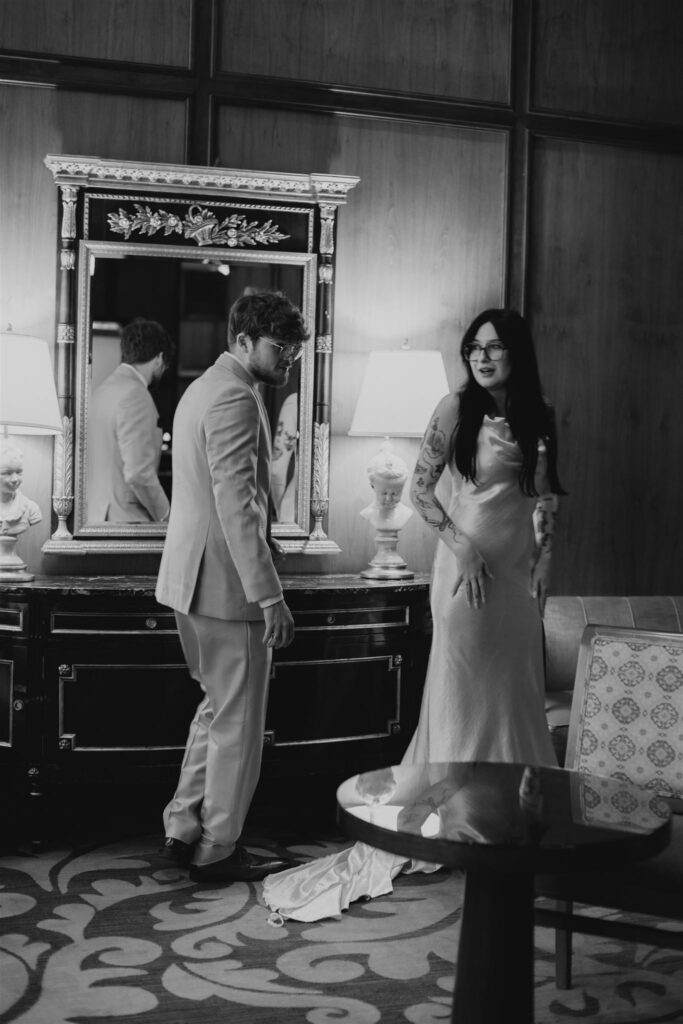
(62, 478)
(320, 495)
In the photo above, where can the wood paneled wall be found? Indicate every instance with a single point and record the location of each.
(411, 46)
(526, 151)
(147, 32)
(608, 312)
(612, 59)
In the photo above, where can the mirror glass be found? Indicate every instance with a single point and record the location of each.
(190, 298)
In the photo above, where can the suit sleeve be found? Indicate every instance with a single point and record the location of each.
(137, 437)
(232, 428)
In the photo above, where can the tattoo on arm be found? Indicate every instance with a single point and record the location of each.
(430, 465)
(544, 517)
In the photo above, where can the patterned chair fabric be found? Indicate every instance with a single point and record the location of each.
(627, 712)
(564, 622)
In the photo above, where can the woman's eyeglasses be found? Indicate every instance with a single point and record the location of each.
(290, 350)
(494, 351)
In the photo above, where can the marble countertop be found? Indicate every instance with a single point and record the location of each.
(143, 586)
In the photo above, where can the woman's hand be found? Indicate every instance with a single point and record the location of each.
(472, 574)
(539, 577)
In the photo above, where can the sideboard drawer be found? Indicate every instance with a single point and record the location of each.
(331, 619)
(125, 698)
(111, 622)
(13, 618)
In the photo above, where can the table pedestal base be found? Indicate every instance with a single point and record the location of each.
(494, 979)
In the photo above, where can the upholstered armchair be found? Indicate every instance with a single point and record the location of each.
(626, 723)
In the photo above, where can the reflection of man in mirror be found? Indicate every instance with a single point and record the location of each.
(124, 440)
(283, 483)
(17, 512)
(217, 573)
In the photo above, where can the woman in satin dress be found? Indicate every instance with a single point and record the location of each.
(483, 697)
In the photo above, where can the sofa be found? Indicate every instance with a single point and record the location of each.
(563, 624)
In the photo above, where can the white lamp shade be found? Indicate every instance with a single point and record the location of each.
(28, 398)
(400, 391)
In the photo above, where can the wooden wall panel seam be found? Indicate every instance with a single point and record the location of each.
(130, 79)
(94, 75)
(306, 95)
(58, 61)
(201, 134)
(518, 161)
(612, 133)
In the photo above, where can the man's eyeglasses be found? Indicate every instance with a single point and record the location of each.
(494, 351)
(290, 350)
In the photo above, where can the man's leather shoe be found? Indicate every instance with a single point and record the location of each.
(240, 866)
(175, 851)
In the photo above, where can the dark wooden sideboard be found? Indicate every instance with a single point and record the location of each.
(94, 688)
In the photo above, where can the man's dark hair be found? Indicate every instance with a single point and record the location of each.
(266, 313)
(142, 340)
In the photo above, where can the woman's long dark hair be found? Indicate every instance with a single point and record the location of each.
(529, 416)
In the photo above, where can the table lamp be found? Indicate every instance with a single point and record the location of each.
(28, 405)
(400, 390)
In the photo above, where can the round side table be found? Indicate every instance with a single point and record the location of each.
(502, 824)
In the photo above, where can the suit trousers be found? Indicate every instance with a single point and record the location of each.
(222, 758)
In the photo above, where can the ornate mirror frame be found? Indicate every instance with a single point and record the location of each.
(110, 209)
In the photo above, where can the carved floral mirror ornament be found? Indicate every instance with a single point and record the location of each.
(178, 245)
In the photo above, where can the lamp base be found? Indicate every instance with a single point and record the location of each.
(387, 563)
(12, 569)
(15, 576)
(386, 574)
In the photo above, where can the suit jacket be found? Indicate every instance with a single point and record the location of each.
(124, 445)
(216, 559)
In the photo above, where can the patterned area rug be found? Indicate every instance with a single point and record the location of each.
(103, 934)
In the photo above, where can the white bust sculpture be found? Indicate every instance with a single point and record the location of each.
(387, 473)
(17, 512)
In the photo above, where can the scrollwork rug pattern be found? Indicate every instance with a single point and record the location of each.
(105, 934)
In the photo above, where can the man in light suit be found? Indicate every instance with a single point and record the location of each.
(124, 441)
(217, 574)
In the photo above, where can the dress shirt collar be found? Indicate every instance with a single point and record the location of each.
(232, 363)
(135, 372)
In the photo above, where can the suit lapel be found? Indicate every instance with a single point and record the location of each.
(264, 418)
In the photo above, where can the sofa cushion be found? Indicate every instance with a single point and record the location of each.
(563, 624)
(663, 614)
(566, 617)
(558, 704)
